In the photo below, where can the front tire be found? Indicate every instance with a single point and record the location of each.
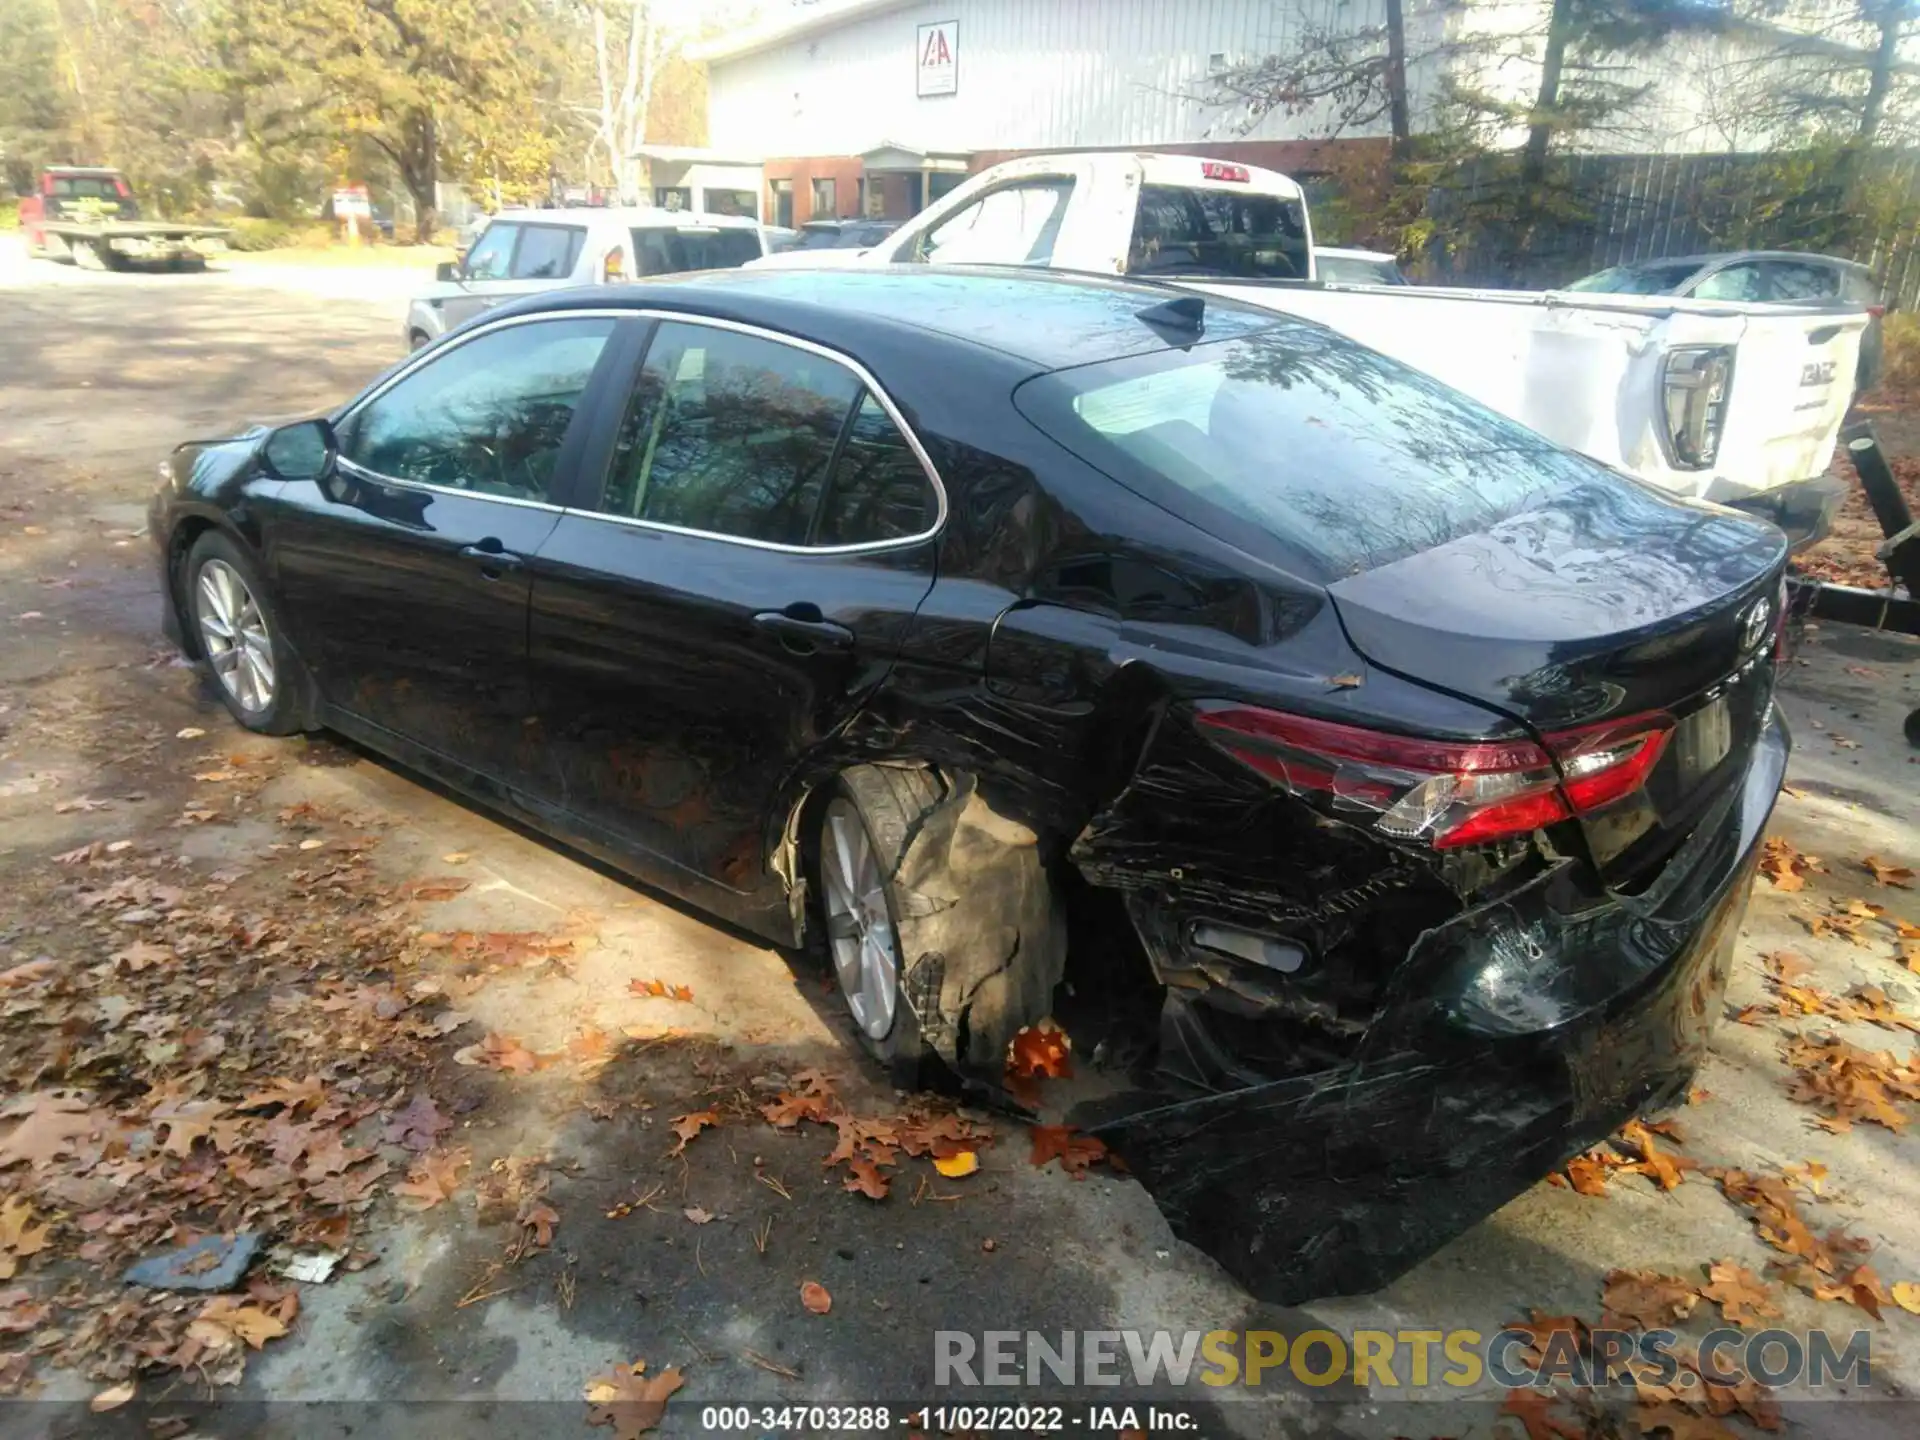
(242, 644)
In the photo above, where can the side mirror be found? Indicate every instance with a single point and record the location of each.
(301, 451)
(447, 270)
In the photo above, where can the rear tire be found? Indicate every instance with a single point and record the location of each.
(415, 340)
(242, 645)
(978, 939)
(855, 859)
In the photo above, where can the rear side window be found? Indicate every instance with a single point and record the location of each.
(1180, 230)
(750, 438)
(1789, 280)
(730, 434)
(547, 252)
(1349, 460)
(878, 490)
(670, 252)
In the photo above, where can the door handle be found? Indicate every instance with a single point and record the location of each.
(801, 634)
(495, 559)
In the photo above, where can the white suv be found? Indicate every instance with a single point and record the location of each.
(522, 251)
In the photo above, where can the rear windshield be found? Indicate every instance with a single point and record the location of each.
(1636, 280)
(668, 252)
(86, 187)
(1345, 458)
(1183, 231)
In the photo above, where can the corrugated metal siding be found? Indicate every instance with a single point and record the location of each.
(1033, 74)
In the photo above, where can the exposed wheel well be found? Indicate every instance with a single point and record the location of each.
(179, 543)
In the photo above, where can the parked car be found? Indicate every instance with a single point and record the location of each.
(522, 252)
(878, 611)
(1737, 404)
(1759, 277)
(815, 236)
(1356, 267)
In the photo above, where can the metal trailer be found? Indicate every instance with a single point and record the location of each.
(1897, 608)
(111, 244)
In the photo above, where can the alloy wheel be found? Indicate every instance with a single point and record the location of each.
(866, 952)
(233, 633)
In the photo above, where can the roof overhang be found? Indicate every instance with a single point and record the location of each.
(793, 25)
(890, 156)
(693, 155)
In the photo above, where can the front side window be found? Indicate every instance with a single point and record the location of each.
(547, 252)
(488, 416)
(1014, 225)
(1181, 230)
(492, 253)
(1636, 280)
(729, 433)
(1736, 282)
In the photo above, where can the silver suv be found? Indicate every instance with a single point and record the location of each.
(523, 251)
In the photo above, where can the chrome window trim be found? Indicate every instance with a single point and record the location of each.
(859, 371)
(374, 477)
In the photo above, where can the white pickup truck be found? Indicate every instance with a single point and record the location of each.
(1736, 403)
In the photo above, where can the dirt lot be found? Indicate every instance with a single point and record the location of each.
(280, 986)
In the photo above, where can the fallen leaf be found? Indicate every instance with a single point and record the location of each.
(458, 857)
(217, 777)
(1074, 1152)
(85, 804)
(628, 1400)
(191, 732)
(499, 1052)
(1646, 1301)
(1885, 874)
(1743, 1297)
(433, 1179)
(1906, 1294)
(419, 1126)
(1784, 865)
(954, 1166)
(19, 1236)
(53, 1125)
(1038, 1051)
(443, 887)
(247, 1322)
(865, 1179)
(1343, 682)
(686, 1127)
(538, 1218)
(697, 1215)
(113, 1397)
(814, 1296)
(1860, 1287)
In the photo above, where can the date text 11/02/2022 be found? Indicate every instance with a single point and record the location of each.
(951, 1419)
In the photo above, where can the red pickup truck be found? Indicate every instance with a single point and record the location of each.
(88, 215)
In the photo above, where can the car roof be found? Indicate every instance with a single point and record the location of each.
(626, 216)
(1729, 257)
(1047, 320)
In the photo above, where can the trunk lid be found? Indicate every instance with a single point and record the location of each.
(1599, 606)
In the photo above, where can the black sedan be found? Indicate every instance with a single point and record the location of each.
(886, 611)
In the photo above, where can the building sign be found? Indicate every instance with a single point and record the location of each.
(938, 57)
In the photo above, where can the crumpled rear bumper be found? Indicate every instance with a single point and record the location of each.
(1337, 1182)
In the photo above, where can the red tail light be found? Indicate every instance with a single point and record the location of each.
(1448, 792)
(1220, 170)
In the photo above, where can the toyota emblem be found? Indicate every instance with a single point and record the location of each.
(1753, 628)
